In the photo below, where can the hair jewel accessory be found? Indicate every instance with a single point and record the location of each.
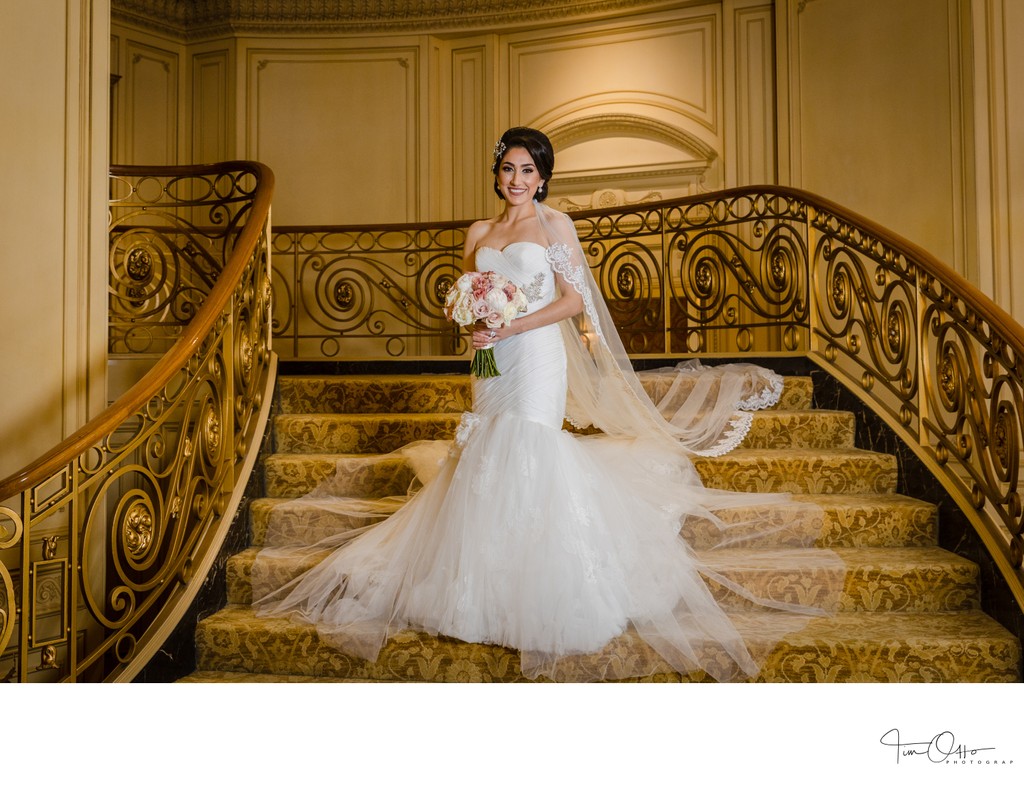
(499, 150)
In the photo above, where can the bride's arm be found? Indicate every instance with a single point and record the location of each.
(568, 304)
(473, 234)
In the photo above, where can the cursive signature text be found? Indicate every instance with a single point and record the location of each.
(940, 748)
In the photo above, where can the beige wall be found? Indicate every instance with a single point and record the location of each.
(53, 55)
(995, 111)
(904, 112)
(873, 121)
(392, 128)
(899, 111)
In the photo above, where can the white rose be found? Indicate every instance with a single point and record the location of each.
(463, 313)
(496, 300)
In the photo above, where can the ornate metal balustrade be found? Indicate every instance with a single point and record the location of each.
(102, 539)
(358, 293)
(701, 276)
(755, 271)
(105, 539)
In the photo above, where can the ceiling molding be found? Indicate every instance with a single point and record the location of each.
(199, 19)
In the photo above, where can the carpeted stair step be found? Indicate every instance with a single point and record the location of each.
(797, 471)
(801, 471)
(243, 677)
(292, 475)
(897, 579)
(883, 520)
(800, 429)
(443, 393)
(876, 580)
(398, 393)
(359, 432)
(300, 521)
(962, 646)
(373, 432)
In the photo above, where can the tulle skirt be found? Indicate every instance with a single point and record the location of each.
(524, 535)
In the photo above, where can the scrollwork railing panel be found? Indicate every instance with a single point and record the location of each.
(170, 237)
(100, 539)
(753, 271)
(359, 294)
(708, 275)
(974, 405)
(933, 356)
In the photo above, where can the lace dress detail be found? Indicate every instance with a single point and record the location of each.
(560, 257)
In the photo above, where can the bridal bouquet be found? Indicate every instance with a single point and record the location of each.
(488, 298)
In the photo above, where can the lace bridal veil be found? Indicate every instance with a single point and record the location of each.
(703, 410)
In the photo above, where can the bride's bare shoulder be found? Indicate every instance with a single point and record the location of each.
(479, 229)
(477, 233)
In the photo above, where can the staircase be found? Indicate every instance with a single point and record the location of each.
(910, 611)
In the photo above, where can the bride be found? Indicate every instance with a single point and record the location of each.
(553, 543)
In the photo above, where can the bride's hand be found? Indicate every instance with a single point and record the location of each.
(484, 336)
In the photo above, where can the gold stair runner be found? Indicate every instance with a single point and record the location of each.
(910, 611)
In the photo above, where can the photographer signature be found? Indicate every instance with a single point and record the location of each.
(940, 748)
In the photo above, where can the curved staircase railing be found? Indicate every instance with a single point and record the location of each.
(105, 539)
(756, 271)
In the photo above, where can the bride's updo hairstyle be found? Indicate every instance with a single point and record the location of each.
(539, 147)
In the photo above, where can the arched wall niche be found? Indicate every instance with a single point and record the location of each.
(617, 159)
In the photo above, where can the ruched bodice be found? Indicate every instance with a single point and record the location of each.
(526, 265)
(532, 364)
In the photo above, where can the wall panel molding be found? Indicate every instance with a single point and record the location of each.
(211, 106)
(53, 220)
(151, 104)
(750, 111)
(342, 129)
(383, 128)
(472, 129)
(667, 66)
(992, 212)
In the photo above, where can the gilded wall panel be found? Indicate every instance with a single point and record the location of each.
(877, 121)
(472, 130)
(151, 114)
(55, 61)
(750, 98)
(634, 110)
(667, 67)
(341, 130)
(211, 108)
(1013, 26)
(994, 74)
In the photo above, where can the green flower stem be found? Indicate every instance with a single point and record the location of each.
(483, 363)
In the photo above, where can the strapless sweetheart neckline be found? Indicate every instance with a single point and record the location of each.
(509, 245)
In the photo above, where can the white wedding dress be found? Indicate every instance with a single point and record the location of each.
(549, 542)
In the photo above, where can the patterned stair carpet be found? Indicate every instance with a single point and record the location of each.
(910, 611)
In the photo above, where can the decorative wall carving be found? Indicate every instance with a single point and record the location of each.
(593, 127)
(204, 18)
